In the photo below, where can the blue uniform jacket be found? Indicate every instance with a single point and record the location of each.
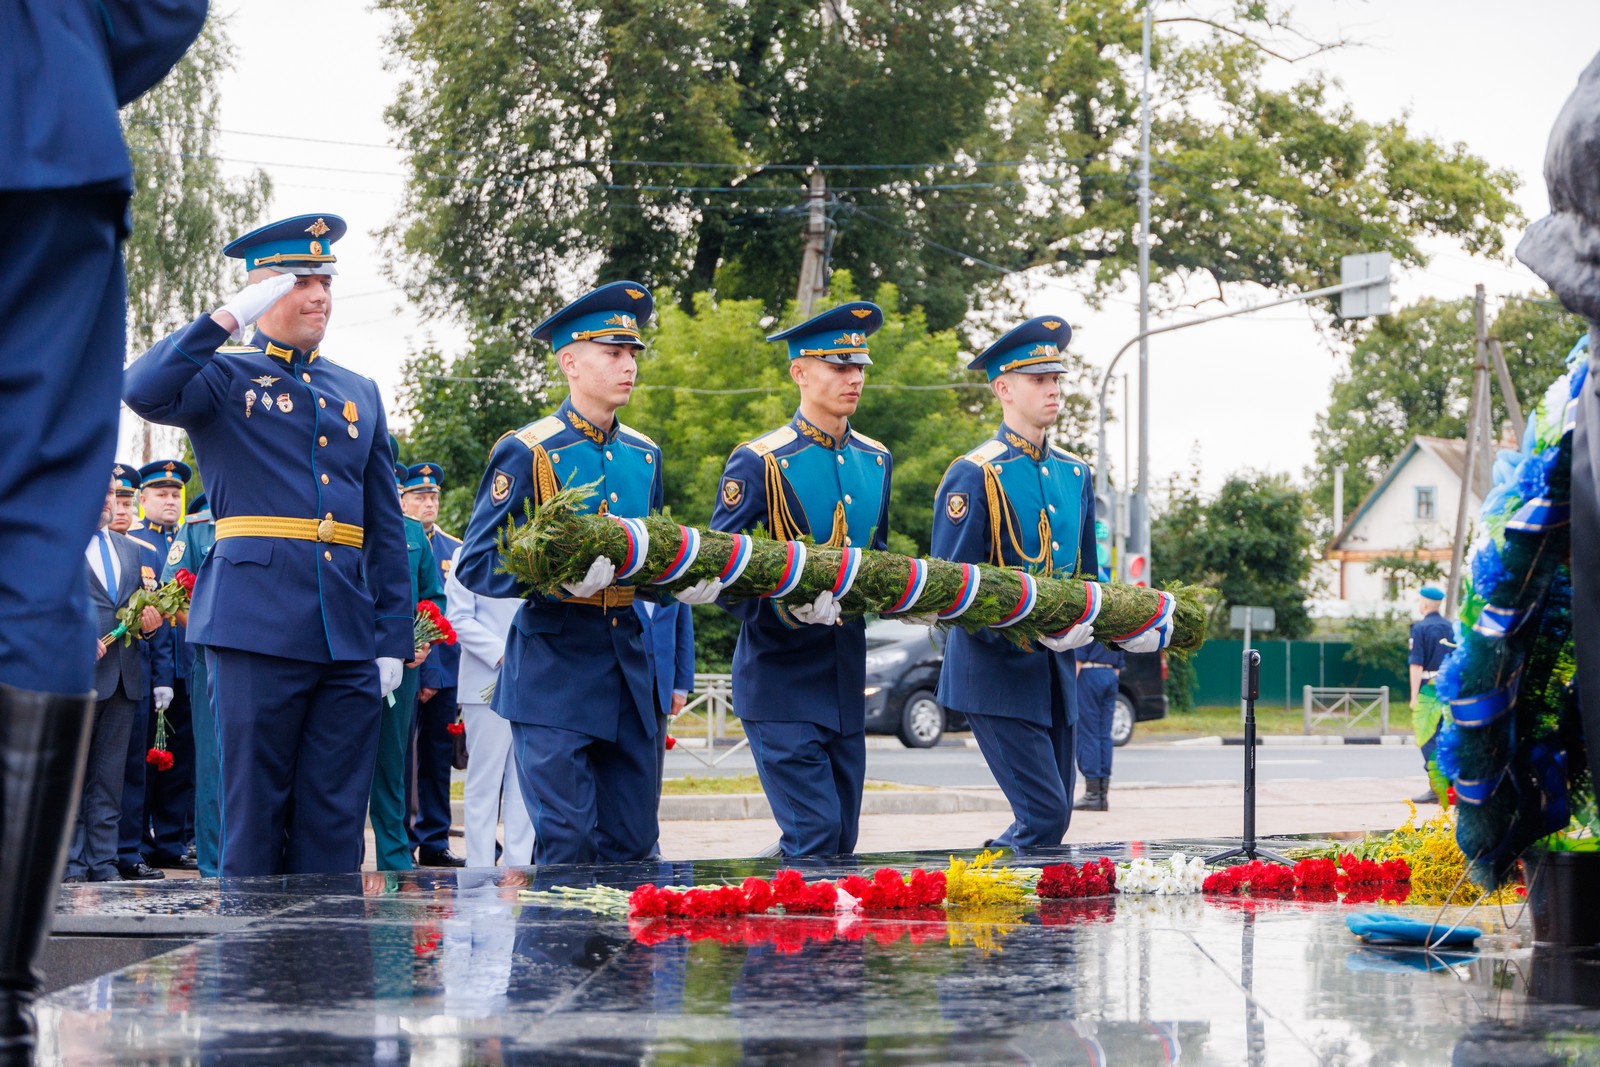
(162, 538)
(797, 481)
(1428, 635)
(444, 663)
(66, 66)
(669, 645)
(1008, 503)
(566, 665)
(187, 553)
(272, 435)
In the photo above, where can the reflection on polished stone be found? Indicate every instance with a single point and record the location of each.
(450, 968)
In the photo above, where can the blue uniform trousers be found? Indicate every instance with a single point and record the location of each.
(131, 824)
(207, 770)
(298, 742)
(430, 770)
(812, 777)
(591, 800)
(62, 337)
(1097, 702)
(1033, 765)
(169, 795)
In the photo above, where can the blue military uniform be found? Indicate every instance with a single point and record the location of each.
(430, 736)
(1432, 638)
(1013, 504)
(576, 685)
(187, 553)
(306, 584)
(169, 795)
(800, 689)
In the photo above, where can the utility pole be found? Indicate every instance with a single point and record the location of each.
(1139, 502)
(813, 280)
(1508, 390)
(1477, 438)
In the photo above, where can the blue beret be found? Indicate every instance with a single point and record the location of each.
(610, 315)
(1431, 592)
(165, 472)
(1035, 347)
(422, 477)
(838, 335)
(126, 477)
(301, 245)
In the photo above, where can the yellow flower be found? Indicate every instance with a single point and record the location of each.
(980, 882)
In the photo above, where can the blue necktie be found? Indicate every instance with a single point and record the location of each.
(107, 567)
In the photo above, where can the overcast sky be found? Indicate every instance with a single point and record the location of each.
(1244, 393)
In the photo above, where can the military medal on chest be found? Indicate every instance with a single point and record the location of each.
(266, 401)
(285, 403)
(249, 402)
(350, 416)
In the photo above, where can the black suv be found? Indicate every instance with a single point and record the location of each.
(903, 674)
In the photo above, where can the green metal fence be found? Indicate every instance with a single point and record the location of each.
(1287, 667)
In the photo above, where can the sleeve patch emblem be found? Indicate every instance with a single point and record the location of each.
(175, 553)
(500, 488)
(732, 492)
(955, 507)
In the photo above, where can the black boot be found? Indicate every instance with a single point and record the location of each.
(44, 742)
(1094, 795)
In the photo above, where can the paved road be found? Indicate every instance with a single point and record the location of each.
(1133, 764)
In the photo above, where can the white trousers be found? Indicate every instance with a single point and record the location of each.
(493, 793)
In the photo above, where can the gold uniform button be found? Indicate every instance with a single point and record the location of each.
(329, 515)
(841, 461)
(323, 441)
(847, 542)
(880, 461)
(783, 463)
(648, 458)
(608, 453)
(321, 402)
(304, 377)
(555, 457)
(1045, 471)
(324, 479)
(1052, 509)
(1074, 470)
(847, 499)
(328, 556)
(613, 622)
(613, 498)
(1055, 546)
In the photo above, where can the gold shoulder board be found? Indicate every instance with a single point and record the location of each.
(537, 433)
(771, 442)
(985, 453)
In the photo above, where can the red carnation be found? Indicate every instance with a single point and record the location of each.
(185, 579)
(757, 893)
(671, 742)
(457, 728)
(1316, 874)
(159, 758)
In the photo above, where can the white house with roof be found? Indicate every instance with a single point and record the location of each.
(1410, 513)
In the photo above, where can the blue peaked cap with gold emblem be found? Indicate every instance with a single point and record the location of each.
(164, 472)
(422, 478)
(610, 315)
(126, 477)
(198, 506)
(838, 335)
(1035, 347)
(301, 245)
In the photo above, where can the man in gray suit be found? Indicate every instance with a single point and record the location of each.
(118, 567)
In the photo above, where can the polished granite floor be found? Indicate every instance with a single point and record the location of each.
(448, 969)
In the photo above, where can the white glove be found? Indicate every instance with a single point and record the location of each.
(705, 591)
(1157, 637)
(1076, 637)
(253, 301)
(601, 571)
(389, 673)
(163, 697)
(823, 611)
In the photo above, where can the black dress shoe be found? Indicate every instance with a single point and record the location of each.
(167, 861)
(442, 857)
(138, 872)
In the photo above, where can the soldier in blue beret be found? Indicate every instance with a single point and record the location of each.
(303, 604)
(1431, 639)
(1017, 500)
(575, 684)
(168, 808)
(436, 698)
(799, 674)
(65, 182)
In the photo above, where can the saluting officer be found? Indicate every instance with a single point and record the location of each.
(302, 604)
(169, 795)
(799, 674)
(1019, 501)
(575, 684)
(436, 697)
(187, 553)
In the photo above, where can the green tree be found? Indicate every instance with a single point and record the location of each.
(1379, 642)
(184, 210)
(1412, 375)
(962, 141)
(1250, 542)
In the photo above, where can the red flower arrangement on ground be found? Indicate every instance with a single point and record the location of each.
(1362, 881)
(1097, 878)
(889, 890)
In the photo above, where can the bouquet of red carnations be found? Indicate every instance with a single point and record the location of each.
(430, 627)
(170, 599)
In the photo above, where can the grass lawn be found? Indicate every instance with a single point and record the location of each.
(1225, 721)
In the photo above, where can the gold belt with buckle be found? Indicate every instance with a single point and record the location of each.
(324, 530)
(612, 596)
